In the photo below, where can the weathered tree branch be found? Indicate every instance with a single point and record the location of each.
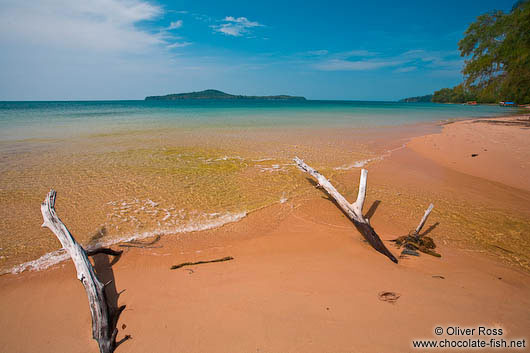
(354, 210)
(358, 205)
(227, 258)
(413, 241)
(423, 220)
(102, 329)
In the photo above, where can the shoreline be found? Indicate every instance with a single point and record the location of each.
(265, 154)
(411, 141)
(381, 142)
(295, 284)
(302, 278)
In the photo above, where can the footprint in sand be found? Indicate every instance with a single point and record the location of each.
(389, 297)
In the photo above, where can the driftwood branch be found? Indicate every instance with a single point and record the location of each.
(102, 329)
(354, 210)
(423, 220)
(174, 267)
(358, 205)
(415, 241)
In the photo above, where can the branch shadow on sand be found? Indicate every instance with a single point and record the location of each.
(366, 230)
(103, 260)
(430, 229)
(372, 209)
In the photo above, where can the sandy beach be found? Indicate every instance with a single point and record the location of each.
(267, 177)
(303, 279)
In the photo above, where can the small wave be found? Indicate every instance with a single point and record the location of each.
(52, 258)
(274, 167)
(226, 158)
(362, 163)
(262, 159)
(220, 159)
(192, 227)
(43, 262)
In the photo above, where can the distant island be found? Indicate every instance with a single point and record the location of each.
(419, 99)
(215, 94)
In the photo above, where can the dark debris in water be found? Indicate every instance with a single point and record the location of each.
(412, 243)
(410, 252)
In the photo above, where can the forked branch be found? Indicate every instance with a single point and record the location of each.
(102, 329)
(354, 210)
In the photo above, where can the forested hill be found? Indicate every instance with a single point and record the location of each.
(215, 94)
(419, 99)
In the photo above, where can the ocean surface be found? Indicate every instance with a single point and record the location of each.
(26, 120)
(130, 170)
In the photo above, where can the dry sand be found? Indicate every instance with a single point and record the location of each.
(494, 149)
(302, 278)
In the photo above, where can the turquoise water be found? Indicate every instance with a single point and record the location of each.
(194, 165)
(26, 120)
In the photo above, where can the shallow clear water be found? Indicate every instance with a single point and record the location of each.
(132, 169)
(26, 120)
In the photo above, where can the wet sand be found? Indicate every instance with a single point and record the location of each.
(139, 183)
(303, 279)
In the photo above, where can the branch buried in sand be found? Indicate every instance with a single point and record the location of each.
(354, 210)
(415, 241)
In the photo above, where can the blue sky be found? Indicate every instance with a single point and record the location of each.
(128, 49)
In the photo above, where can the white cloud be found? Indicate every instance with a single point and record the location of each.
(236, 27)
(356, 53)
(107, 25)
(97, 49)
(178, 45)
(357, 60)
(202, 17)
(175, 25)
(360, 65)
(435, 59)
(405, 69)
(317, 52)
(243, 20)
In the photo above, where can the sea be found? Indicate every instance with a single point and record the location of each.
(131, 170)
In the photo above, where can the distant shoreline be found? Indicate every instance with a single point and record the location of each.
(215, 94)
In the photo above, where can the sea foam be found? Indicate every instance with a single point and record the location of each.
(362, 163)
(52, 258)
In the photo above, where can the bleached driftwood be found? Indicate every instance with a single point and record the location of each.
(414, 241)
(102, 329)
(353, 210)
(423, 220)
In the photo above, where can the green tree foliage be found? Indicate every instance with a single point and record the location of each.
(498, 48)
(457, 94)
